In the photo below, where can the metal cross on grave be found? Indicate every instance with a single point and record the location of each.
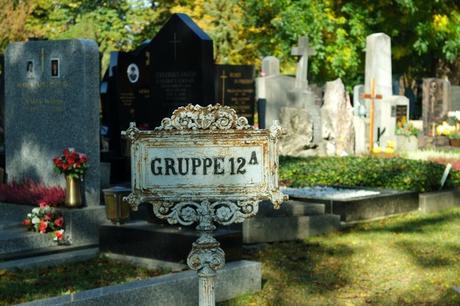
(175, 42)
(304, 52)
(371, 96)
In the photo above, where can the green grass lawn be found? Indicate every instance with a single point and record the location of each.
(408, 260)
(22, 286)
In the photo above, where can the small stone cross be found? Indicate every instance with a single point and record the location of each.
(175, 42)
(304, 52)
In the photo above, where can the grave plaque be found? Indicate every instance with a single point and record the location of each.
(52, 102)
(436, 102)
(401, 114)
(204, 165)
(235, 87)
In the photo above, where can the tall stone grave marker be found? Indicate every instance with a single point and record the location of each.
(337, 120)
(436, 102)
(378, 67)
(52, 102)
(235, 87)
(292, 102)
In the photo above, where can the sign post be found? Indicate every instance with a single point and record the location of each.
(204, 165)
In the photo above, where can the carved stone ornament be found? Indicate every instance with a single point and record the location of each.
(211, 117)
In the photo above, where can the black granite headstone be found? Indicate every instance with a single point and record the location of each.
(235, 87)
(174, 69)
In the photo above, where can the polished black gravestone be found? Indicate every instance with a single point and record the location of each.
(146, 85)
(162, 242)
(235, 87)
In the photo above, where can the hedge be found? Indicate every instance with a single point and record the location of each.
(374, 172)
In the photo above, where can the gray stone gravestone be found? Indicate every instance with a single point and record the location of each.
(436, 102)
(337, 120)
(287, 98)
(455, 97)
(52, 102)
(378, 68)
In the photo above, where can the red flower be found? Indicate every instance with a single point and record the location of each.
(59, 235)
(59, 222)
(42, 204)
(47, 217)
(83, 158)
(42, 227)
(26, 222)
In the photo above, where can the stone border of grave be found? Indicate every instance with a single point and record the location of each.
(235, 279)
(387, 203)
(81, 225)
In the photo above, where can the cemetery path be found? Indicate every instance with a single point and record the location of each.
(406, 260)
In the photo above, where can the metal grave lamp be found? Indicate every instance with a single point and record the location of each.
(204, 165)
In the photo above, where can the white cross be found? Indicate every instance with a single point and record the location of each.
(302, 66)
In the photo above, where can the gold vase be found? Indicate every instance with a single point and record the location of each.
(72, 192)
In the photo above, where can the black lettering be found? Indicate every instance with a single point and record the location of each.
(169, 164)
(232, 165)
(183, 171)
(156, 170)
(217, 165)
(241, 162)
(207, 163)
(253, 159)
(196, 162)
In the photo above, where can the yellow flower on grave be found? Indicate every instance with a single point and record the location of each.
(377, 149)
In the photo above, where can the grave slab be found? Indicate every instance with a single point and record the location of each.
(162, 242)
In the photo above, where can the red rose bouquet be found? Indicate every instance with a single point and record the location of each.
(45, 219)
(71, 163)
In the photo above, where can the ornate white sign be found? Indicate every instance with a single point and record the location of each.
(204, 153)
(204, 165)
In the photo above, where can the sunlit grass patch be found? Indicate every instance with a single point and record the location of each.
(412, 259)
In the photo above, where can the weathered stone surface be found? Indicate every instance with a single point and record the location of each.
(434, 201)
(270, 229)
(52, 102)
(181, 289)
(270, 66)
(378, 64)
(406, 143)
(337, 120)
(298, 126)
(455, 98)
(436, 102)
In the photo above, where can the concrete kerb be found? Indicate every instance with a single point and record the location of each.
(235, 279)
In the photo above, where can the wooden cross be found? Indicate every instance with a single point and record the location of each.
(175, 42)
(223, 77)
(372, 96)
(304, 52)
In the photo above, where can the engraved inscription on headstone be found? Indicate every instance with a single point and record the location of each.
(235, 87)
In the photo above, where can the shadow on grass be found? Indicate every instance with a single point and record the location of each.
(419, 225)
(429, 255)
(294, 270)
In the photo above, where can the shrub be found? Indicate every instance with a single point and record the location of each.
(30, 192)
(388, 173)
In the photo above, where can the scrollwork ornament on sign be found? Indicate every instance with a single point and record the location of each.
(211, 117)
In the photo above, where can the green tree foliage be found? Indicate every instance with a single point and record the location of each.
(425, 33)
